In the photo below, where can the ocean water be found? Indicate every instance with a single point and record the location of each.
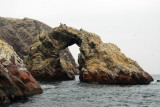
(76, 94)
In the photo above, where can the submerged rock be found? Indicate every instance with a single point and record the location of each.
(98, 62)
(20, 34)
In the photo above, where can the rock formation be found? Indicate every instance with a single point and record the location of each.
(20, 33)
(15, 82)
(45, 64)
(98, 62)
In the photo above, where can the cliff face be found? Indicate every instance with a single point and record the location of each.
(98, 62)
(20, 34)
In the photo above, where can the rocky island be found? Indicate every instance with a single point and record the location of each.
(31, 50)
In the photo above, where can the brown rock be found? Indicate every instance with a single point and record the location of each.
(11, 86)
(26, 78)
(98, 62)
(113, 67)
(16, 83)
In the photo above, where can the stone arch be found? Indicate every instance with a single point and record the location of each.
(67, 36)
(98, 62)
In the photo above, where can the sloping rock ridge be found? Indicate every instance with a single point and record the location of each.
(20, 33)
(98, 62)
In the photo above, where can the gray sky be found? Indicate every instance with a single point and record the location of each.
(133, 25)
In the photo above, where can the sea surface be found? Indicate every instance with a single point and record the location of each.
(76, 94)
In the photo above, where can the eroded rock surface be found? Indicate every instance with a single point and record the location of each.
(15, 81)
(98, 62)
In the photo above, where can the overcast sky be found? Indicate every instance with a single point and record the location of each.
(133, 25)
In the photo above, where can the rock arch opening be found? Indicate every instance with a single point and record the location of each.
(74, 50)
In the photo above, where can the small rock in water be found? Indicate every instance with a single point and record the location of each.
(158, 80)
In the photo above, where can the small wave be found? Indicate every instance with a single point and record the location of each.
(154, 82)
(44, 87)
